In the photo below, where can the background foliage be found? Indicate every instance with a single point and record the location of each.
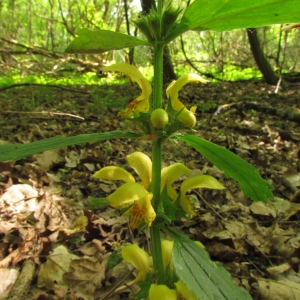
(37, 32)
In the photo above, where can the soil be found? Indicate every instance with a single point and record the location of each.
(257, 243)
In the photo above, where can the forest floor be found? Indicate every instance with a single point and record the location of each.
(43, 197)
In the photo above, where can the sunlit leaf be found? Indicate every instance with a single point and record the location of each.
(205, 278)
(16, 151)
(98, 41)
(233, 166)
(222, 15)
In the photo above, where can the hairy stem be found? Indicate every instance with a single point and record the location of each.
(158, 75)
(156, 160)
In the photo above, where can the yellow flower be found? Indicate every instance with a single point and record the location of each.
(166, 248)
(142, 165)
(183, 291)
(138, 258)
(137, 194)
(141, 103)
(202, 181)
(131, 192)
(141, 209)
(161, 292)
(169, 175)
(187, 117)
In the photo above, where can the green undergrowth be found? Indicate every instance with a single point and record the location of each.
(229, 73)
(89, 78)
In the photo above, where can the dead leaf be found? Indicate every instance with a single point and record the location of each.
(8, 278)
(57, 264)
(279, 290)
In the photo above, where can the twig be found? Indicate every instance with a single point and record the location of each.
(43, 113)
(120, 288)
(210, 206)
(22, 284)
(43, 85)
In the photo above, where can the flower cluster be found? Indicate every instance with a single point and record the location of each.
(141, 103)
(142, 262)
(137, 194)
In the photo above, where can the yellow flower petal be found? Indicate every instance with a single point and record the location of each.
(150, 214)
(199, 244)
(127, 69)
(175, 86)
(141, 209)
(142, 165)
(201, 181)
(170, 174)
(138, 258)
(183, 291)
(141, 103)
(127, 194)
(161, 292)
(114, 173)
(166, 248)
(186, 116)
(186, 205)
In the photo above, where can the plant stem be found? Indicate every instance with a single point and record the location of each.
(158, 75)
(156, 164)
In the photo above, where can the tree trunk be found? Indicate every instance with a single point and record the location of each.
(146, 6)
(168, 68)
(260, 59)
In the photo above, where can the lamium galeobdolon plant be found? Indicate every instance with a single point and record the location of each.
(176, 268)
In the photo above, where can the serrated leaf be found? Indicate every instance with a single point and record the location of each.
(17, 151)
(167, 210)
(113, 260)
(98, 41)
(233, 166)
(222, 15)
(205, 278)
(144, 287)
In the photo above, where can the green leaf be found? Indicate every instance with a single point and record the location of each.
(205, 278)
(144, 287)
(17, 151)
(221, 15)
(113, 260)
(94, 202)
(166, 209)
(98, 41)
(233, 166)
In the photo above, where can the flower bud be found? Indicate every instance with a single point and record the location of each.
(159, 118)
(161, 292)
(168, 19)
(143, 26)
(187, 118)
(154, 24)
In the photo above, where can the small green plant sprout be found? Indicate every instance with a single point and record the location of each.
(179, 268)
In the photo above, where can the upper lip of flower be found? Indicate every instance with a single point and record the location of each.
(185, 116)
(141, 103)
(175, 86)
